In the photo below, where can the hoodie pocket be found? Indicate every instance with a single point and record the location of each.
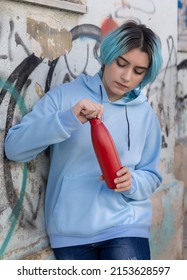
(86, 206)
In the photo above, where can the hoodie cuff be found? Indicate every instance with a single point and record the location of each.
(69, 121)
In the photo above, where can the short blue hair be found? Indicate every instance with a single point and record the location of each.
(129, 36)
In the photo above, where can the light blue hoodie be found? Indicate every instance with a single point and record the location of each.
(79, 207)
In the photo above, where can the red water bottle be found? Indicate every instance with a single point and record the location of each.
(105, 151)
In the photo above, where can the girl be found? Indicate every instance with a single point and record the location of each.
(85, 219)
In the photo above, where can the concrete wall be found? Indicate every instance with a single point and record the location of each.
(181, 99)
(42, 47)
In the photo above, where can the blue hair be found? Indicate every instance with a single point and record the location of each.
(128, 36)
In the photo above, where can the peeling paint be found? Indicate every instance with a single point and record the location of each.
(48, 41)
(40, 92)
(167, 227)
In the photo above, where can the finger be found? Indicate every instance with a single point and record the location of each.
(122, 179)
(122, 189)
(92, 112)
(97, 112)
(126, 185)
(90, 109)
(123, 183)
(100, 112)
(91, 116)
(122, 171)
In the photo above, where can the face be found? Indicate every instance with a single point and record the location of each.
(125, 73)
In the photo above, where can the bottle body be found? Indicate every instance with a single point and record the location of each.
(105, 151)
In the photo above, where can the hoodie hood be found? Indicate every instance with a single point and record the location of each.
(98, 92)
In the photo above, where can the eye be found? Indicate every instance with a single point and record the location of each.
(120, 62)
(139, 71)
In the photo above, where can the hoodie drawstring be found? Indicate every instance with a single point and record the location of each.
(128, 127)
(101, 92)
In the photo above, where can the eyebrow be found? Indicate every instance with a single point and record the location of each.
(141, 67)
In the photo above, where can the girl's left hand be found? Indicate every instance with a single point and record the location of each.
(123, 180)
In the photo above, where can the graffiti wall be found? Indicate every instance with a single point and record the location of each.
(181, 97)
(42, 47)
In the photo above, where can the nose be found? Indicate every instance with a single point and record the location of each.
(126, 74)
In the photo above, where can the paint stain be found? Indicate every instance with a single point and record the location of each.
(48, 41)
(108, 25)
(39, 90)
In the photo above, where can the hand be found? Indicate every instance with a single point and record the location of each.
(87, 109)
(124, 180)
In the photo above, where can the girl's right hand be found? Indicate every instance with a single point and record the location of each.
(87, 109)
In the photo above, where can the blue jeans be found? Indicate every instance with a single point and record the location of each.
(125, 248)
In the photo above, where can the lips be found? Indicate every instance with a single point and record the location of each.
(119, 85)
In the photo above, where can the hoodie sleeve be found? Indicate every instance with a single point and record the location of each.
(42, 127)
(146, 176)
